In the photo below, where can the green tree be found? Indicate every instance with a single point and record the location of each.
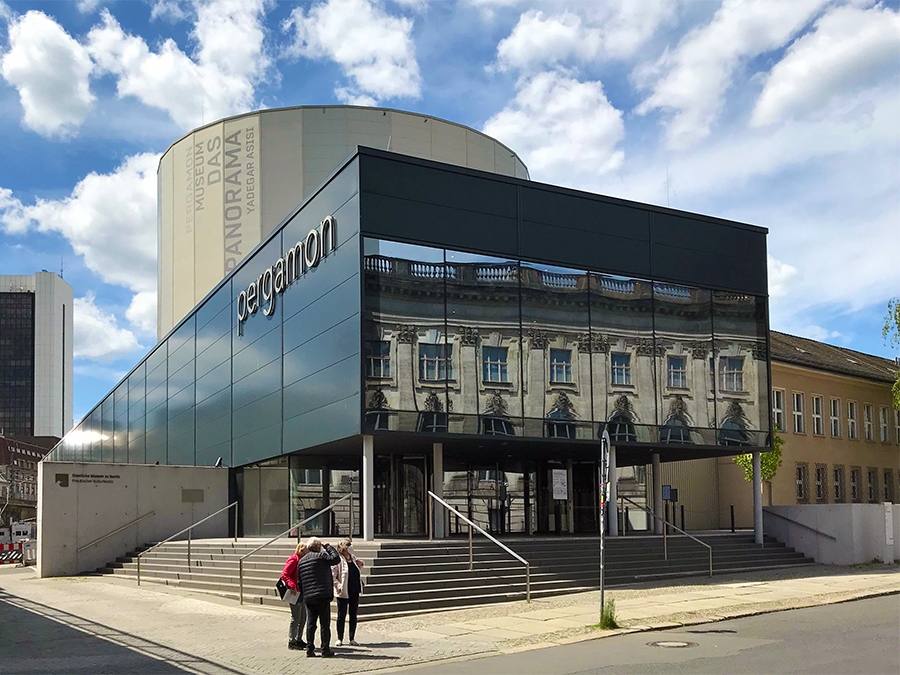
(768, 461)
(891, 334)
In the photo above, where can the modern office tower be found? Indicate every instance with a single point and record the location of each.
(224, 186)
(35, 355)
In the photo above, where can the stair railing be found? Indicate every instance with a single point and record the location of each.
(115, 531)
(188, 530)
(666, 526)
(473, 526)
(288, 531)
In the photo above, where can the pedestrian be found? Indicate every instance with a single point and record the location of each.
(348, 586)
(317, 583)
(298, 609)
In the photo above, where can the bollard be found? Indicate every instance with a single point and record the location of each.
(682, 518)
(732, 519)
(625, 523)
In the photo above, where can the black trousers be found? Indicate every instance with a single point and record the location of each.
(318, 610)
(353, 604)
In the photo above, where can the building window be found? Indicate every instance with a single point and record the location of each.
(378, 359)
(732, 373)
(835, 418)
(872, 475)
(621, 368)
(855, 484)
(494, 364)
(497, 426)
(431, 422)
(821, 483)
(560, 365)
(802, 479)
(868, 419)
(799, 421)
(888, 485)
(560, 429)
(818, 423)
(492, 476)
(778, 408)
(378, 420)
(678, 372)
(852, 433)
(435, 362)
(885, 431)
(309, 477)
(839, 485)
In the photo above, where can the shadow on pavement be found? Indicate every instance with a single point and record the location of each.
(38, 638)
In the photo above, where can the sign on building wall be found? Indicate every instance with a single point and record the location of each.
(560, 484)
(240, 189)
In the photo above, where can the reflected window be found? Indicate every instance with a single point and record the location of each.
(432, 422)
(731, 369)
(561, 365)
(492, 476)
(677, 372)
(621, 429)
(675, 431)
(378, 359)
(559, 429)
(497, 426)
(435, 362)
(621, 368)
(494, 364)
(378, 421)
(734, 428)
(309, 477)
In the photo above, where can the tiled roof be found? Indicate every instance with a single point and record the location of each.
(812, 354)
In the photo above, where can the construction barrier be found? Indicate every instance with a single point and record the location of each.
(10, 553)
(29, 551)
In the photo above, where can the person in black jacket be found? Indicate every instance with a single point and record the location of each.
(316, 580)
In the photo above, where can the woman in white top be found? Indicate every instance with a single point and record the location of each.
(348, 585)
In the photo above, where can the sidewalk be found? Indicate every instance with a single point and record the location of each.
(207, 635)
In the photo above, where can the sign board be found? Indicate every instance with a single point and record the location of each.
(667, 493)
(674, 495)
(560, 484)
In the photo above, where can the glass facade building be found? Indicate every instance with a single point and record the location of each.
(412, 304)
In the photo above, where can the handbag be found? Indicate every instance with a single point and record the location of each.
(287, 593)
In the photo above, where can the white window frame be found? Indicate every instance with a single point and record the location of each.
(798, 412)
(852, 420)
(778, 408)
(440, 364)
(885, 429)
(495, 366)
(676, 378)
(835, 411)
(732, 379)
(818, 408)
(560, 368)
(382, 361)
(869, 421)
(622, 371)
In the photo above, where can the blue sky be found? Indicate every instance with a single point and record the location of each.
(781, 114)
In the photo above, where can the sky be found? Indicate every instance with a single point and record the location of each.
(784, 114)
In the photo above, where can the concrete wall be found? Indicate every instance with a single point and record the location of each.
(78, 503)
(858, 531)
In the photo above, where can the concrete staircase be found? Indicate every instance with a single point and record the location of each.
(412, 577)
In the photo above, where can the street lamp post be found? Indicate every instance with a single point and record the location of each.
(604, 484)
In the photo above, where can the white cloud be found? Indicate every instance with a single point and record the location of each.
(691, 80)
(51, 72)
(170, 10)
(109, 219)
(565, 130)
(88, 6)
(780, 277)
(219, 81)
(142, 311)
(348, 96)
(850, 49)
(97, 335)
(600, 30)
(373, 48)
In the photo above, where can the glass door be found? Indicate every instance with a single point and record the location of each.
(411, 489)
(585, 477)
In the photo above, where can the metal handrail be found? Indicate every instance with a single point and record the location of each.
(116, 531)
(799, 524)
(188, 530)
(666, 526)
(290, 529)
(492, 538)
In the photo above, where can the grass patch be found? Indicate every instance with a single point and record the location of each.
(608, 617)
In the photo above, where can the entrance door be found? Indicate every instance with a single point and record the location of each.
(411, 493)
(585, 492)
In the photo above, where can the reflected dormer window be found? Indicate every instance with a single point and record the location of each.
(432, 422)
(734, 427)
(621, 368)
(435, 362)
(497, 426)
(560, 365)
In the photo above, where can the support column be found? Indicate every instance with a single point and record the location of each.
(613, 505)
(757, 498)
(437, 487)
(657, 494)
(368, 489)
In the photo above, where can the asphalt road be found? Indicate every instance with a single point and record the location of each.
(853, 637)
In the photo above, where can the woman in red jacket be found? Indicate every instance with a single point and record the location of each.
(298, 609)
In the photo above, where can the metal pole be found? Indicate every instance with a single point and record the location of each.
(527, 582)
(189, 550)
(428, 514)
(351, 510)
(470, 548)
(139, 568)
(710, 563)
(732, 519)
(235, 522)
(241, 578)
(604, 479)
(665, 541)
(682, 518)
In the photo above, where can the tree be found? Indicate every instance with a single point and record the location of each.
(769, 461)
(891, 334)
